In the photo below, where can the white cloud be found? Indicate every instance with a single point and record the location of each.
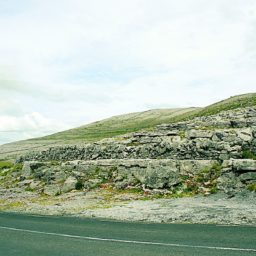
(77, 61)
(29, 122)
(27, 126)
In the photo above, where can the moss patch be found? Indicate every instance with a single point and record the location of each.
(252, 187)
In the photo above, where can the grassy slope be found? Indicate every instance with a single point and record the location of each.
(107, 128)
(239, 101)
(119, 125)
(123, 124)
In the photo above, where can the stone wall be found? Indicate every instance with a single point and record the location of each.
(168, 176)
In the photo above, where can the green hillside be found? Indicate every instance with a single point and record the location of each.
(107, 128)
(234, 102)
(133, 122)
(240, 101)
(122, 124)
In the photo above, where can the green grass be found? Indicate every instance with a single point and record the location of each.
(5, 165)
(235, 102)
(247, 154)
(119, 125)
(111, 127)
(134, 122)
(240, 101)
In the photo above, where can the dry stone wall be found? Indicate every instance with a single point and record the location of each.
(165, 175)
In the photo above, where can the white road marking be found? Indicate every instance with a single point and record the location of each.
(42, 216)
(36, 216)
(128, 241)
(224, 225)
(235, 225)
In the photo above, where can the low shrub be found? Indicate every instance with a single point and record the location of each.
(247, 154)
(79, 185)
(17, 167)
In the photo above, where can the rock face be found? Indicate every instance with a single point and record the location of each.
(166, 175)
(69, 184)
(202, 155)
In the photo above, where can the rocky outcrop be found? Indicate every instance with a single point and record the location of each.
(69, 184)
(161, 176)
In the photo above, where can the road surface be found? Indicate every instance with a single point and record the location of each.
(26, 235)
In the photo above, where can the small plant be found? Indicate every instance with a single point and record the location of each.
(17, 167)
(247, 154)
(217, 167)
(252, 187)
(54, 163)
(29, 189)
(97, 170)
(191, 186)
(58, 193)
(5, 165)
(214, 190)
(135, 190)
(133, 144)
(79, 185)
(182, 134)
(38, 174)
(206, 178)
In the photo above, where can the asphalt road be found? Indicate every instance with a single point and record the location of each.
(60, 236)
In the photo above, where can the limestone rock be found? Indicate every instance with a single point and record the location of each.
(25, 183)
(26, 170)
(34, 185)
(69, 184)
(244, 165)
(52, 190)
(245, 134)
(227, 182)
(92, 183)
(192, 134)
(249, 176)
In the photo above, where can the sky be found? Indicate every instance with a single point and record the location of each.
(66, 63)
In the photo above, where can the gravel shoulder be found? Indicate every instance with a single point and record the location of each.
(215, 209)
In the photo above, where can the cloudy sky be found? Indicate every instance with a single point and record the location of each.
(64, 63)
